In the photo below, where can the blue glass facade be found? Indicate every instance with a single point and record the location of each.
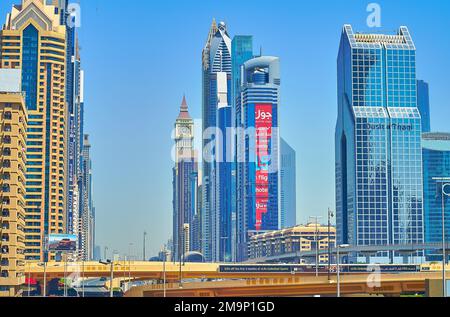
(436, 164)
(30, 55)
(258, 144)
(379, 181)
(288, 193)
(423, 102)
(216, 181)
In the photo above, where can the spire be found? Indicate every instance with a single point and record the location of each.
(184, 111)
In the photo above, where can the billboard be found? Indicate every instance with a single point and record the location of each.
(263, 130)
(62, 242)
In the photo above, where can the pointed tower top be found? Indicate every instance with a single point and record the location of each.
(184, 111)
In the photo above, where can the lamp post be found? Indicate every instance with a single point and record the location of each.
(445, 181)
(444, 255)
(164, 270)
(316, 240)
(339, 247)
(111, 263)
(143, 251)
(330, 215)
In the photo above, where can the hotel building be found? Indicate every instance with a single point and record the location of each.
(13, 127)
(33, 39)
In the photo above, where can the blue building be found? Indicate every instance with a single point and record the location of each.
(423, 102)
(258, 144)
(241, 51)
(379, 180)
(288, 181)
(436, 164)
(217, 185)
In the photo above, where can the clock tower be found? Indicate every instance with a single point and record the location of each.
(184, 134)
(185, 186)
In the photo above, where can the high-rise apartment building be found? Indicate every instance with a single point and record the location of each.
(379, 179)
(288, 185)
(258, 177)
(86, 220)
(217, 178)
(184, 188)
(36, 43)
(13, 127)
(436, 166)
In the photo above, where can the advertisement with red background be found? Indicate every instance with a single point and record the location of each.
(263, 128)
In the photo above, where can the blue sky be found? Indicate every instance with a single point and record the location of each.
(140, 57)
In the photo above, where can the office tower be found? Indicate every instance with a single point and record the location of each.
(241, 51)
(423, 103)
(379, 183)
(13, 127)
(436, 165)
(185, 167)
(216, 62)
(36, 43)
(288, 181)
(258, 150)
(195, 229)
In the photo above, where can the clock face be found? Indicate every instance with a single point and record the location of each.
(185, 130)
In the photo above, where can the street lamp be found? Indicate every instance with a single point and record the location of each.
(316, 238)
(339, 247)
(44, 265)
(330, 215)
(111, 291)
(445, 181)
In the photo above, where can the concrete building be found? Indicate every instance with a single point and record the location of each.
(36, 41)
(290, 240)
(13, 127)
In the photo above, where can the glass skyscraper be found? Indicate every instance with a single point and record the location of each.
(217, 185)
(379, 180)
(288, 195)
(436, 164)
(423, 102)
(258, 153)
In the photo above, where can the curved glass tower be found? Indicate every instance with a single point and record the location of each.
(379, 185)
(217, 191)
(258, 185)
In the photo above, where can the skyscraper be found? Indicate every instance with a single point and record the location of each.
(183, 185)
(379, 184)
(423, 103)
(436, 164)
(13, 126)
(37, 44)
(288, 194)
(86, 219)
(257, 150)
(241, 51)
(216, 225)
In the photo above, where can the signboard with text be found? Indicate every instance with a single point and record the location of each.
(263, 130)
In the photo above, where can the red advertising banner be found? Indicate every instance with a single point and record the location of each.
(263, 129)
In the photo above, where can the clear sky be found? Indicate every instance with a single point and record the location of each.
(140, 56)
